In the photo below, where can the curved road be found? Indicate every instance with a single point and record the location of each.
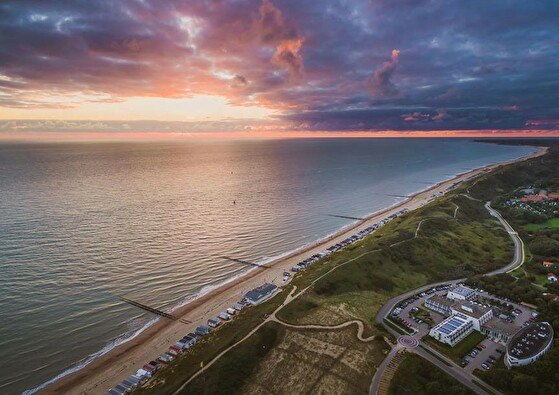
(454, 370)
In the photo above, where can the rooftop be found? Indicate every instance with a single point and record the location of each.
(530, 340)
(499, 325)
(463, 290)
(452, 324)
(260, 292)
(472, 309)
(441, 300)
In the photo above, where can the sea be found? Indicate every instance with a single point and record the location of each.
(83, 223)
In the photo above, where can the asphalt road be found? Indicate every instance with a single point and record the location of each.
(454, 370)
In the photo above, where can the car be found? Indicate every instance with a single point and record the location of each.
(485, 366)
(481, 345)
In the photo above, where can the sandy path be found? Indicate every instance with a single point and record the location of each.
(113, 367)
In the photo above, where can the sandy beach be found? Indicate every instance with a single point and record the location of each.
(124, 360)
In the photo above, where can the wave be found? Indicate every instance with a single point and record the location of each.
(80, 365)
(262, 261)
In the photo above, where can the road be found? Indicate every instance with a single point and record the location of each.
(454, 370)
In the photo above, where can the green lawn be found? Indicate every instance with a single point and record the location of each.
(459, 350)
(550, 224)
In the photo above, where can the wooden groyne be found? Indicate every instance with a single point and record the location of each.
(244, 262)
(153, 310)
(346, 217)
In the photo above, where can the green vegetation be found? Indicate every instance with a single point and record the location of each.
(459, 350)
(293, 361)
(446, 248)
(172, 376)
(541, 236)
(368, 273)
(538, 378)
(418, 376)
(227, 376)
(396, 326)
(552, 223)
(424, 315)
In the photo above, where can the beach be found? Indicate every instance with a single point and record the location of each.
(119, 363)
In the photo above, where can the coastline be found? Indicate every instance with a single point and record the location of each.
(110, 368)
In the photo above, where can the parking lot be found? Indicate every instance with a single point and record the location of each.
(418, 318)
(486, 355)
(421, 328)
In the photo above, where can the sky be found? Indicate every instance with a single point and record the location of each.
(278, 67)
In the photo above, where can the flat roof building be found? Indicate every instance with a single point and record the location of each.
(440, 304)
(261, 293)
(453, 329)
(498, 330)
(529, 344)
(461, 292)
(479, 313)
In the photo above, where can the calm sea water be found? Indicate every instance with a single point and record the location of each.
(80, 222)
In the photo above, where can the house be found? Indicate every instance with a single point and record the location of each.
(214, 322)
(202, 330)
(551, 277)
(547, 264)
(261, 293)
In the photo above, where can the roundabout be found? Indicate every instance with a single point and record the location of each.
(408, 341)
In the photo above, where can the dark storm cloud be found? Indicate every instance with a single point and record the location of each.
(329, 65)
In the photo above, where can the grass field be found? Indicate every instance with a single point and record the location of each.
(459, 350)
(281, 360)
(420, 377)
(550, 224)
(172, 376)
(446, 248)
(387, 263)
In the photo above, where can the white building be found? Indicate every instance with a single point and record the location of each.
(479, 314)
(529, 344)
(461, 292)
(453, 329)
(464, 317)
(440, 304)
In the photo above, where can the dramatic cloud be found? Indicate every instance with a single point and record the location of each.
(380, 83)
(318, 65)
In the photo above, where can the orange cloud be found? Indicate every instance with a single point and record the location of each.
(287, 55)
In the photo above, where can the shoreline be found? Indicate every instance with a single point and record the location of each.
(118, 363)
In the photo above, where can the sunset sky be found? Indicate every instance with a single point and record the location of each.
(278, 67)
